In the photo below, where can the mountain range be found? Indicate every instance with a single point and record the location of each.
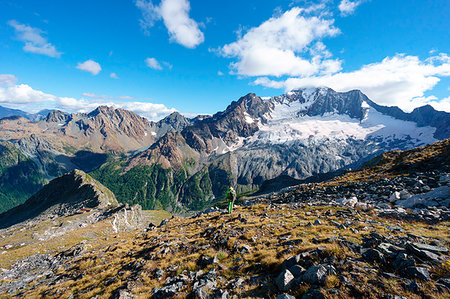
(181, 164)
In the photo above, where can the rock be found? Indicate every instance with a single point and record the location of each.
(285, 296)
(205, 261)
(429, 199)
(201, 293)
(394, 196)
(435, 249)
(159, 273)
(291, 261)
(315, 275)
(246, 249)
(418, 272)
(317, 222)
(445, 281)
(373, 255)
(412, 286)
(402, 261)
(297, 270)
(350, 202)
(313, 293)
(284, 280)
(122, 294)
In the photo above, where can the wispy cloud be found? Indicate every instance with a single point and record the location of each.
(7, 80)
(89, 66)
(347, 7)
(175, 15)
(153, 63)
(114, 76)
(94, 96)
(34, 40)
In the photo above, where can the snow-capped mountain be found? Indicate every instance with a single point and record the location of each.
(318, 115)
(301, 134)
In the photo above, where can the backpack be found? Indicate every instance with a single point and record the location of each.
(232, 194)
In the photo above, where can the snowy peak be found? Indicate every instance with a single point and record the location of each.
(321, 101)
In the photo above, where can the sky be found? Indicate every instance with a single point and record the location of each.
(196, 56)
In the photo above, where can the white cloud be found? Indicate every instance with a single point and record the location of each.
(219, 73)
(126, 98)
(24, 97)
(114, 76)
(23, 94)
(347, 7)
(400, 80)
(7, 80)
(175, 14)
(33, 39)
(153, 63)
(94, 96)
(285, 45)
(90, 66)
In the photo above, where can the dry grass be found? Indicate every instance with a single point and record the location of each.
(177, 246)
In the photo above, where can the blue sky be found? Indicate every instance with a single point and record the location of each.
(155, 57)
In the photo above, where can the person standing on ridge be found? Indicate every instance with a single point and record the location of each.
(231, 196)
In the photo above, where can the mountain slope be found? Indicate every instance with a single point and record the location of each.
(19, 177)
(304, 133)
(63, 196)
(350, 239)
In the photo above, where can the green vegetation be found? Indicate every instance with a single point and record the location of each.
(19, 177)
(154, 187)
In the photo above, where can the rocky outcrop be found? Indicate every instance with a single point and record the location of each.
(63, 196)
(227, 126)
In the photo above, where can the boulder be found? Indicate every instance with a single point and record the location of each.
(285, 280)
(418, 273)
(315, 274)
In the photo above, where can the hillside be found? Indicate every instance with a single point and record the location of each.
(19, 177)
(324, 240)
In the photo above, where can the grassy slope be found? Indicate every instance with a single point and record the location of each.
(395, 163)
(263, 228)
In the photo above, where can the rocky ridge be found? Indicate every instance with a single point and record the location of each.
(63, 196)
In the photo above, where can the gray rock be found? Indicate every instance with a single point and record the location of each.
(315, 274)
(435, 249)
(285, 296)
(402, 261)
(418, 272)
(428, 199)
(297, 270)
(412, 286)
(313, 293)
(373, 255)
(285, 280)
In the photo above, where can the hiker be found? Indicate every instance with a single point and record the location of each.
(231, 196)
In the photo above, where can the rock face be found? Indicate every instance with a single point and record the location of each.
(63, 196)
